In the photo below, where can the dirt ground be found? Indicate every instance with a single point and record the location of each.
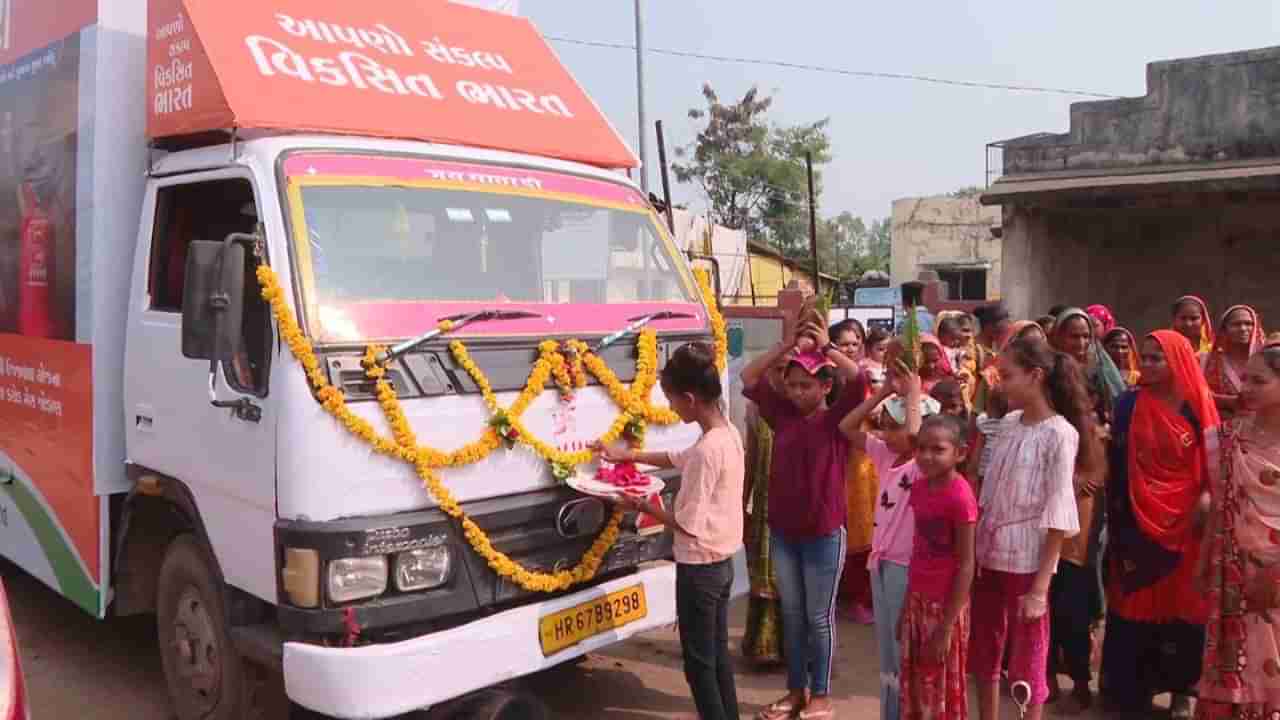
(77, 667)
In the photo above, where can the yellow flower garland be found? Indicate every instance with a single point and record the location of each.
(634, 405)
(717, 320)
(424, 460)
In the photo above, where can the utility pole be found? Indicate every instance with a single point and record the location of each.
(813, 226)
(644, 127)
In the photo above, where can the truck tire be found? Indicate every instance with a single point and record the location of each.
(207, 679)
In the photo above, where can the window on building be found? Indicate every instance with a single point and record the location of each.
(963, 284)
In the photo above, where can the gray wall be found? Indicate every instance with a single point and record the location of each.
(1213, 108)
(1138, 261)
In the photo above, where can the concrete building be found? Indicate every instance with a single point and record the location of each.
(1145, 199)
(958, 238)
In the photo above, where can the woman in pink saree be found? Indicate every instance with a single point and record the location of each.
(1239, 336)
(1240, 564)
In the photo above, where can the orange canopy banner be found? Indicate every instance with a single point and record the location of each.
(427, 70)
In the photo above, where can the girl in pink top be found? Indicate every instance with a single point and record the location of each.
(1028, 509)
(707, 521)
(934, 631)
(893, 454)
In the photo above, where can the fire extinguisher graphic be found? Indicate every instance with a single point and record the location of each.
(35, 318)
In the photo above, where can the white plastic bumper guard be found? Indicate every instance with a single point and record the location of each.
(379, 681)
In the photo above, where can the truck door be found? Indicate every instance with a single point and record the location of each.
(224, 456)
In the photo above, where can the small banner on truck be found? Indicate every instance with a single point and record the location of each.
(428, 70)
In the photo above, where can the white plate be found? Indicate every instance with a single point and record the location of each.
(588, 485)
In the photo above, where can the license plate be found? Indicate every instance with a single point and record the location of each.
(567, 628)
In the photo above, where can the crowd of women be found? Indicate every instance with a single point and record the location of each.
(1028, 500)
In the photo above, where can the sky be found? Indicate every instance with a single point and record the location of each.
(890, 138)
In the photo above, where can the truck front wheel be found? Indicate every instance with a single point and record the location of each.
(206, 678)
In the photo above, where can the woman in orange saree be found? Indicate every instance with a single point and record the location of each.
(1157, 499)
(1241, 568)
(860, 497)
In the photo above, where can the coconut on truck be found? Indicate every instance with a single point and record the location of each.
(306, 310)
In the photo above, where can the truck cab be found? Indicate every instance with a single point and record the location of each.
(340, 554)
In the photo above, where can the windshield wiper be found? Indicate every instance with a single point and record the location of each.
(636, 324)
(459, 321)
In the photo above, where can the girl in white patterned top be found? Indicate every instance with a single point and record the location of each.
(1027, 508)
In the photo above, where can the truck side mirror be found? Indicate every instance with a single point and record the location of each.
(213, 300)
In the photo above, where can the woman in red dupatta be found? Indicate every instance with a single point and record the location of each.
(1239, 336)
(936, 365)
(1157, 496)
(1242, 552)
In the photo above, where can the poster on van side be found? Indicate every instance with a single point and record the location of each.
(49, 513)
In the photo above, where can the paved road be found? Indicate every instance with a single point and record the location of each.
(79, 667)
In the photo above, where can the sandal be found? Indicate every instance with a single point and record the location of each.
(783, 709)
(828, 714)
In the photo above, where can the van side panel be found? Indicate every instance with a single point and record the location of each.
(51, 520)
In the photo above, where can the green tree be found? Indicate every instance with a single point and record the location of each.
(752, 171)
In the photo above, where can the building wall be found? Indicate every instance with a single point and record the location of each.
(939, 231)
(1137, 261)
(1205, 109)
(769, 275)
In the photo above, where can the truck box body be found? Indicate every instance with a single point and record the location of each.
(71, 166)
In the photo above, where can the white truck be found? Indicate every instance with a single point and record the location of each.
(167, 445)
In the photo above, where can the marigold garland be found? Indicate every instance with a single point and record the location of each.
(566, 363)
(717, 320)
(424, 460)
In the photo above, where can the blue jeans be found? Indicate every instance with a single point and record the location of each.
(808, 574)
(888, 593)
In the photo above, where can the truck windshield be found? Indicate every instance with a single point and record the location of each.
(392, 245)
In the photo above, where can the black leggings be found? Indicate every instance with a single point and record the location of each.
(1073, 606)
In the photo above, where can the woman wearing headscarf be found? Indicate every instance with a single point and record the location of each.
(1075, 595)
(861, 488)
(1239, 336)
(1073, 334)
(1241, 676)
(1191, 321)
(1157, 500)
(1122, 346)
(1103, 321)
(935, 365)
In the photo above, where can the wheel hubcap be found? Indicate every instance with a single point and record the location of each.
(196, 651)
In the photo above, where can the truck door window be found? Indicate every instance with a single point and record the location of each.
(210, 210)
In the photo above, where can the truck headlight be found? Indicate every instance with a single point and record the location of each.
(356, 578)
(423, 569)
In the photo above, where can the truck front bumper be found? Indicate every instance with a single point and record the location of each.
(379, 681)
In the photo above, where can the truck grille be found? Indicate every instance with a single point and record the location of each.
(526, 531)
